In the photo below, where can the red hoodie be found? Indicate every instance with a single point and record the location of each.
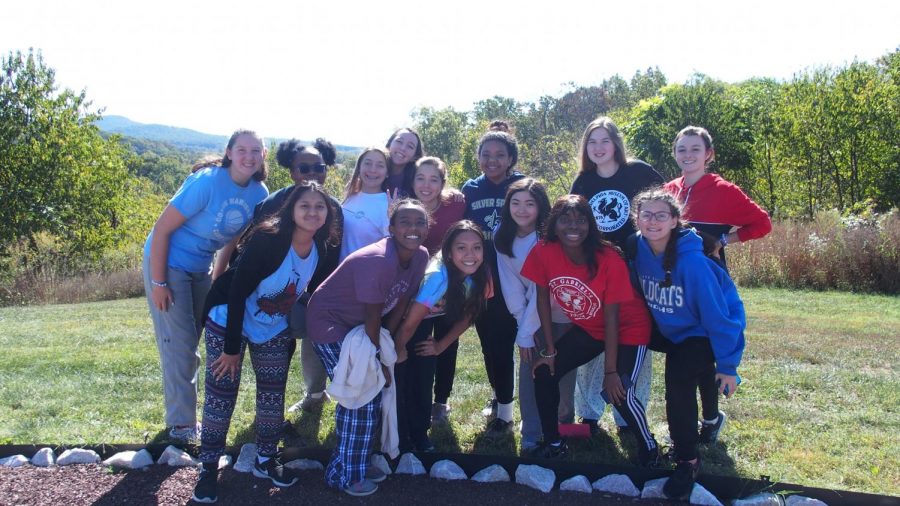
(714, 201)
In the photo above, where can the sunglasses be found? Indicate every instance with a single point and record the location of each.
(318, 168)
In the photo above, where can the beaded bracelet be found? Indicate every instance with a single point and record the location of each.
(548, 356)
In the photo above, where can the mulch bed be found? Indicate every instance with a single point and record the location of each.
(163, 485)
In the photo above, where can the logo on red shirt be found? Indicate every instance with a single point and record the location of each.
(575, 298)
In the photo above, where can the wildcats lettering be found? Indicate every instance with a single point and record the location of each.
(661, 298)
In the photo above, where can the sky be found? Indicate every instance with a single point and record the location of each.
(352, 72)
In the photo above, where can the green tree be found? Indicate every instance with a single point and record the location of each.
(442, 132)
(57, 173)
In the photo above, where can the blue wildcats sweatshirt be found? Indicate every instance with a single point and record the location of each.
(702, 300)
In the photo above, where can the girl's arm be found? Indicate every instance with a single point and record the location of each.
(548, 356)
(417, 312)
(520, 300)
(396, 314)
(612, 382)
(373, 330)
(430, 347)
(169, 221)
(223, 256)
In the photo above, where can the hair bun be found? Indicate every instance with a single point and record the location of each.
(498, 125)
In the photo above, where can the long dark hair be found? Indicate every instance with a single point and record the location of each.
(670, 255)
(459, 305)
(282, 222)
(409, 170)
(593, 243)
(506, 232)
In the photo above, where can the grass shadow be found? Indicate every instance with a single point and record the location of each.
(445, 439)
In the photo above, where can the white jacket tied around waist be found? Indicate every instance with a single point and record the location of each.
(358, 378)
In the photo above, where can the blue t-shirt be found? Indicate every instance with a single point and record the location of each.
(217, 209)
(434, 287)
(267, 308)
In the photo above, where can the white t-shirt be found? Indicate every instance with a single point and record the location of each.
(365, 221)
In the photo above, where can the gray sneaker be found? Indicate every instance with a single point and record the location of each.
(185, 434)
(375, 475)
(361, 488)
(310, 404)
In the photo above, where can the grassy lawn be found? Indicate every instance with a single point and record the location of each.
(820, 402)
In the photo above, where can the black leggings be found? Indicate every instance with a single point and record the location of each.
(445, 369)
(687, 365)
(576, 347)
(497, 332)
(415, 377)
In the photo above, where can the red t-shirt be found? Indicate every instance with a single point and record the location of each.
(581, 299)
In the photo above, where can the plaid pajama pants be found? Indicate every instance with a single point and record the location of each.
(356, 430)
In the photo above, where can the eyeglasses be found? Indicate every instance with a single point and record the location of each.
(660, 216)
(318, 168)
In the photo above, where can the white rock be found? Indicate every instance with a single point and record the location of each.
(491, 474)
(304, 465)
(176, 457)
(617, 484)
(577, 484)
(447, 470)
(224, 461)
(14, 461)
(409, 464)
(699, 495)
(246, 458)
(130, 459)
(43, 458)
(799, 500)
(653, 489)
(78, 456)
(535, 477)
(761, 499)
(381, 463)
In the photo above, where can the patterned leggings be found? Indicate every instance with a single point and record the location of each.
(270, 363)
(355, 429)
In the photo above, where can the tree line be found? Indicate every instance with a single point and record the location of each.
(824, 139)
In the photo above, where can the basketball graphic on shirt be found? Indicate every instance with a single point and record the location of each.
(575, 298)
(611, 209)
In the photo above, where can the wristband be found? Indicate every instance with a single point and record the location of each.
(723, 240)
(612, 372)
(547, 356)
(161, 284)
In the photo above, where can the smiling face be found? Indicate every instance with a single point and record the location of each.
(572, 229)
(692, 156)
(247, 155)
(524, 211)
(310, 212)
(310, 161)
(467, 252)
(601, 149)
(409, 227)
(427, 185)
(494, 160)
(372, 172)
(403, 148)
(656, 222)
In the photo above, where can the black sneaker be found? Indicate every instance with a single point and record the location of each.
(498, 428)
(709, 432)
(205, 490)
(551, 451)
(273, 470)
(681, 483)
(651, 458)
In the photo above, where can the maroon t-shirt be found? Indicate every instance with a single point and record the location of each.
(447, 214)
(369, 275)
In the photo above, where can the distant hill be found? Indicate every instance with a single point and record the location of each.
(183, 138)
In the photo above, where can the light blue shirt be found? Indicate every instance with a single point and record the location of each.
(217, 209)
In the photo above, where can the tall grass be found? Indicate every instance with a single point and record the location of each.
(858, 254)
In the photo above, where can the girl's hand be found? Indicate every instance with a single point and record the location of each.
(612, 383)
(456, 196)
(549, 362)
(526, 354)
(387, 375)
(226, 365)
(392, 196)
(727, 384)
(162, 297)
(428, 348)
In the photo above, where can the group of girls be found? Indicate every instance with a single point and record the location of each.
(404, 261)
